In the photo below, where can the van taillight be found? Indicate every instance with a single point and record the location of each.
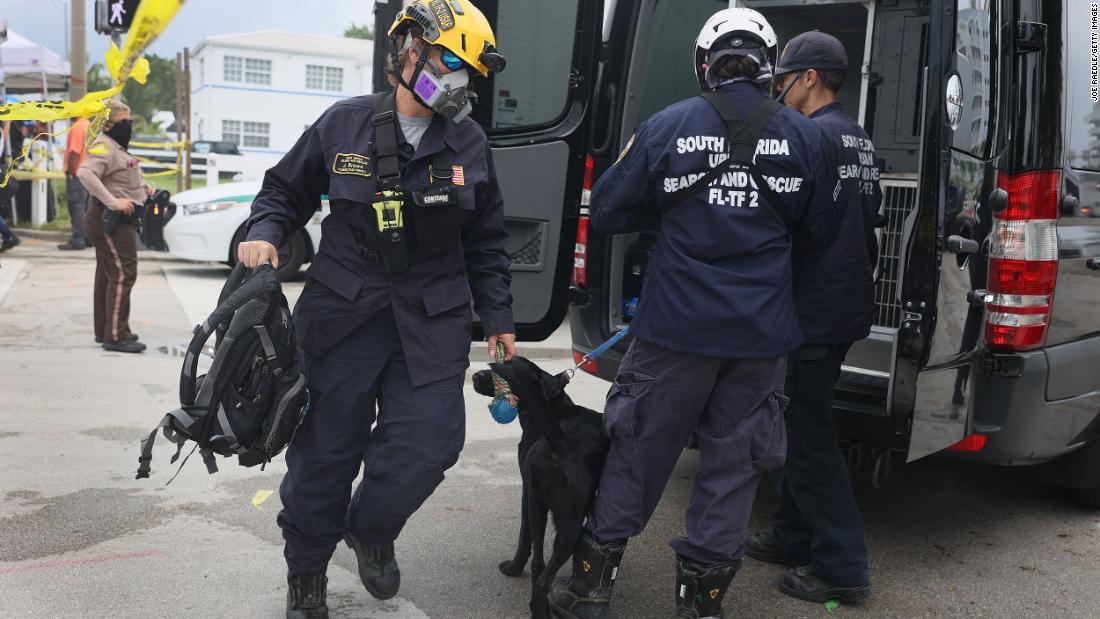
(974, 442)
(580, 250)
(1023, 261)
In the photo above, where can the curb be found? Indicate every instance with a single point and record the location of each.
(43, 235)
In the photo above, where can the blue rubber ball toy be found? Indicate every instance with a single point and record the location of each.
(503, 411)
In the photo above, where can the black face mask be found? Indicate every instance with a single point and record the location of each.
(121, 133)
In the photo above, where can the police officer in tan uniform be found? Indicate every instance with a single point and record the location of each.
(114, 180)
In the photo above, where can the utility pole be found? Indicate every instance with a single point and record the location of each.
(6, 156)
(78, 52)
(187, 111)
(179, 123)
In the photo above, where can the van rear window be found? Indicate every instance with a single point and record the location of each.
(537, 38)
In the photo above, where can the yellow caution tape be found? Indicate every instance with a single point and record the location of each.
(158, 145)
(171, 172)
(150, 21)
(153, 162)
(27, 175)
(9, 168)
(49, 111)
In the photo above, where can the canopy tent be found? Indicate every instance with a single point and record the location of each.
(29, 67)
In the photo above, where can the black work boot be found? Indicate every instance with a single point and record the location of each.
(699, 590)
(764, 547)
(305, 596)
(587, 593)
(803, 584)
(127, 345)
(133, 338)
(377, 567)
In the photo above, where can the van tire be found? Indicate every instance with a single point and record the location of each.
(291, 255)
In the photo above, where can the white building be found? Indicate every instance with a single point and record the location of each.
(260, 90)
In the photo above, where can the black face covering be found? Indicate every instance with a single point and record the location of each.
(121, 133)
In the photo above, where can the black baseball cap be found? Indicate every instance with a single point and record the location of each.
(812, 50)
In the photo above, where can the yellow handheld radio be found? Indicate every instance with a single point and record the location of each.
(392, 244)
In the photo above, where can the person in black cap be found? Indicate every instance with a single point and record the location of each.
(817, 528)
(729, 178)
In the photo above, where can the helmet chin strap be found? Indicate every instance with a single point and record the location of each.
(396, 72)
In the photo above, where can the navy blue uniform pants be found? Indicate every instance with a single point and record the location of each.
(365, 414)
(817, 520)
(659, 397)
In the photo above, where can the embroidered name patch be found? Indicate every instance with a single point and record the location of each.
(352, 164)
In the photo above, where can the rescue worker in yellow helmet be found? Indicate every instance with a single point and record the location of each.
(384, 321)
(463, 34)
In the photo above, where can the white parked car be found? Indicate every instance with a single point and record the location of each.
(209, 223)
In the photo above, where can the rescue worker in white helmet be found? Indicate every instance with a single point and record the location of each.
(728, 178)
(384, 322)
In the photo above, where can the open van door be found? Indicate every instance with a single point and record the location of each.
(942, 265)
(536, 114)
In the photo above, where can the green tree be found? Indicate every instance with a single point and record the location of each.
(156, 95)
(98, 79)
(359, 32)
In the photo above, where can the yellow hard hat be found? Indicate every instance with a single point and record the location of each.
(457, 25)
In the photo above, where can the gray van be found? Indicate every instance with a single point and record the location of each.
(986, 116)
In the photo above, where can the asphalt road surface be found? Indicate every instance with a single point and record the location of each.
(79, 537)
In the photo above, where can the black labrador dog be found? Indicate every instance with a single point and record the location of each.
(561, 455)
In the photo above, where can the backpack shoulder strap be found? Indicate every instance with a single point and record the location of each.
(262, 281)
(743, 134)
(385, 138)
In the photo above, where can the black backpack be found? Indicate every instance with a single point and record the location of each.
(253, 398)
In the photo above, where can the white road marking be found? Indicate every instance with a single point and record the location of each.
(9, 273)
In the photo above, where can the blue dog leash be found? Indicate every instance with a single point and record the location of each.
(503, 407)
(599, 350)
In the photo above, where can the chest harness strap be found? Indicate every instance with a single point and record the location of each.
(743, 134)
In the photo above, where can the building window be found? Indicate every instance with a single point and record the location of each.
(257, 71)
(324, 78)
(246, 133)
(247, 70)
(231, 131)
(234, 66)
(257, 135)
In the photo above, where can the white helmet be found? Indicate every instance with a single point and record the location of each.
(740, 32)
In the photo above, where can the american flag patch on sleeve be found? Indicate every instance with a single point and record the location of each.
(458, 178)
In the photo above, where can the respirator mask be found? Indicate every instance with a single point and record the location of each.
(446, 94)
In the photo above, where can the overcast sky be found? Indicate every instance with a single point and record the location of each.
(43, 21)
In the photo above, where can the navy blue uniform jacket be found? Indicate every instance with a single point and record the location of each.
(719, 281)
(431, 302)
(834, 285)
